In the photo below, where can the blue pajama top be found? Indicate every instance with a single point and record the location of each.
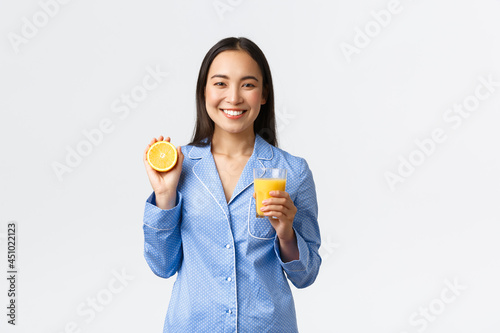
(230, 277)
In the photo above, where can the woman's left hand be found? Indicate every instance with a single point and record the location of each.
(281, 212)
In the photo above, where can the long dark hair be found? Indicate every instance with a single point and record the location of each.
(265, 124)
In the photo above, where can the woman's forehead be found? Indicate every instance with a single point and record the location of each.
(234, 64)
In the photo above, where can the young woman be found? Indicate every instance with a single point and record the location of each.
(232, 268)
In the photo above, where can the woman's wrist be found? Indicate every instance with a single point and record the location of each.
(288, 247)
(165, 200)
(287, 236)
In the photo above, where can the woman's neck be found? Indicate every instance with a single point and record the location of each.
(233, 144)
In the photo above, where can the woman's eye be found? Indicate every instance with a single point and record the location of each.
(248, 85)
(220, 84)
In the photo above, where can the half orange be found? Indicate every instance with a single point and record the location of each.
(162, 156)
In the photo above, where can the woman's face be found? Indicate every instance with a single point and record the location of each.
(234, 92)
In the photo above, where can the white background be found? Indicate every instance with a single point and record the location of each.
(389, 254)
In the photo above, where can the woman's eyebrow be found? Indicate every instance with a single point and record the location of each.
(249, 77)
(222, 76)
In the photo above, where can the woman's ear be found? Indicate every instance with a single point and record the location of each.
(264, 96)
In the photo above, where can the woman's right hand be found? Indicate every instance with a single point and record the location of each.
(164, 183)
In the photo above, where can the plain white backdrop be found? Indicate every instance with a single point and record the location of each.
(394, 104)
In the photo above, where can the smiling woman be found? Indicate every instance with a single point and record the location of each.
(235, 92)
(200, 221)
(256, 77)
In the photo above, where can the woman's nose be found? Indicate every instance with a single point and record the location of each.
(234, 96)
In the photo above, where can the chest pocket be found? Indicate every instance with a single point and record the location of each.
(259, 228)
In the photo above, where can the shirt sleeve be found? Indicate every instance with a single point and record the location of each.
(162, 238)
(303, 271)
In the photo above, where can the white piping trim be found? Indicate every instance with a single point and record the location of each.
(267, 159)
(248, 223)
(211, 195)
(234, 248)
(159, 229)
(191, 151)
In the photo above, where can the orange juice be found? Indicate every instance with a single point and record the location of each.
(262, 187)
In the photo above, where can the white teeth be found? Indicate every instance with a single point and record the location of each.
(233, 113)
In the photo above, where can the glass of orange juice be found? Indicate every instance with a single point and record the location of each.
(266, 180)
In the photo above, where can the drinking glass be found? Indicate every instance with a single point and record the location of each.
(266, 180)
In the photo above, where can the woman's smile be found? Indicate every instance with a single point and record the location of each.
(233, 113)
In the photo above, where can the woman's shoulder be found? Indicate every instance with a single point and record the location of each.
(284, 153)
(294, 162)
(194, 151)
